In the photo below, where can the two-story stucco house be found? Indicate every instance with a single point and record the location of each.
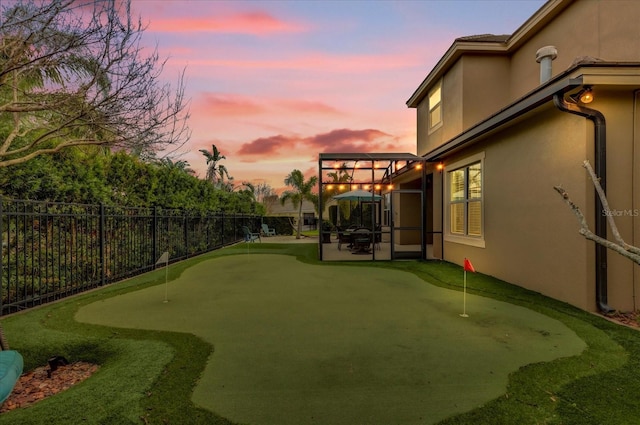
(500, 122)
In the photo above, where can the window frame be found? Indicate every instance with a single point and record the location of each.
(464, 237)
(308, 218)
(436, 87)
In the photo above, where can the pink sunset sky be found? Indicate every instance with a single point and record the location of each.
(274, 83)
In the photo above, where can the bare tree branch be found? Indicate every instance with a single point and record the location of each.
(620, 246)
(76, 73)
(607, 210)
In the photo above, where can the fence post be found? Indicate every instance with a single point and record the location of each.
(222, 227)
(2, 255)
(207, 221)
(185, 225)
(154, 235)
(103, 260)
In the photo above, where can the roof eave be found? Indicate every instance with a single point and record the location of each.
(595, 73)
(536, 98)
(530, 27)
(364, 156)
(457, 49)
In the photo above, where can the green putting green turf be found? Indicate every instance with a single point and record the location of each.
(333, 344)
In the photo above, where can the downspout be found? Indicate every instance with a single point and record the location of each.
(636, 93)
(600, 142)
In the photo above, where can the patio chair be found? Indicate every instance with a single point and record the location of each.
(249, 236)
(377, 237)
(11, 364)
(267, 231)
(344, 236)
(361, 240)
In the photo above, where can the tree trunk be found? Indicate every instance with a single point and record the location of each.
(4, 345)
(299, 221)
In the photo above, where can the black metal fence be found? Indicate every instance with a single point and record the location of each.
(52, 250)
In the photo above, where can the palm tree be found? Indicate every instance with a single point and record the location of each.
(301, 192)
(249, 188)
(339, 177)
(180, 165)
(215, 171)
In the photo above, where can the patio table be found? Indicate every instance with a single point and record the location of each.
(361, 241)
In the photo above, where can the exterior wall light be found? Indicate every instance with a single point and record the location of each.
(440, 166)
(583, 96)
(378, 187)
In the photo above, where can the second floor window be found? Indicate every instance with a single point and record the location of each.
(435, 105)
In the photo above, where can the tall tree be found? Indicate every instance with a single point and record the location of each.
(301, 192)
(262, 191)
(216, 172)
(339, 177)
(180, 164)
(74, 73)
(249, 188)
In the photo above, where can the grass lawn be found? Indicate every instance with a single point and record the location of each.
(263, 338)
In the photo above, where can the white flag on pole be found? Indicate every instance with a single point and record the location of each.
(164, 258)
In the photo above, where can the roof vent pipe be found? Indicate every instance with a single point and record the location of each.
(544, 56)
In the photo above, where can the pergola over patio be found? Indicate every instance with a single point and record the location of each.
(387, 221)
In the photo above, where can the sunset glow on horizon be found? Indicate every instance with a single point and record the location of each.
(274, 83)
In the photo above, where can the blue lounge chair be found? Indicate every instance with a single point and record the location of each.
(250, 236)
(267, 231)
(11, 364)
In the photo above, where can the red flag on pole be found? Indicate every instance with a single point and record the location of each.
(468, 267)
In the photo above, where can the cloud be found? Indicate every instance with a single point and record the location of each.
(267, 145)
(307, 106)
(341, 140)
(258, 23)
(345, 140)
(219, 104)
(336, 63)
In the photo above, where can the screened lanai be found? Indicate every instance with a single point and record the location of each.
(375, 206)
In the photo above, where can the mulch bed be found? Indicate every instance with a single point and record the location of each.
(36, 384)
(631, 319)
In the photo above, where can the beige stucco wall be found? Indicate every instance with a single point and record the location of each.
(436, 211)
(409, 212)
(484, 84)
(485, 87)
(618, 107)
(531, 236)
(605, 29)
(636, 195)
(452, 123)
